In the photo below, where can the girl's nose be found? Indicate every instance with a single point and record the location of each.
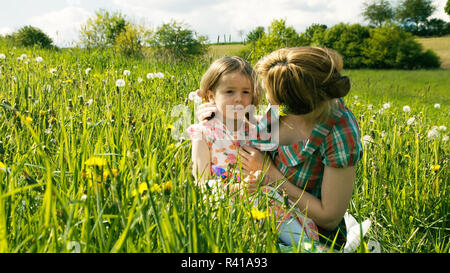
(238, 98)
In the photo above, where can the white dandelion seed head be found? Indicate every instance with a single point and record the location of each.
(406, 108)
(366, 139)
(356, 97)
(370, 106)
(52, 71)
(120, 83)
(433, 134)
(445, 138)
(38, 59)
(411, 121)
(160, 75)
(87, 70)
(442, 128)
(150, 75)
(139, 80)
(437, 106)
(2, 56)
(126, 72)
(194, 97)
(89, 102)
(387, 105)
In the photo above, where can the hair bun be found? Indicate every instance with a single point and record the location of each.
(338, 88)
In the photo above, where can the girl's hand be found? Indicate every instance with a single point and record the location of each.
(206, 111)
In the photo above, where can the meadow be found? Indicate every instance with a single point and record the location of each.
(89, 163)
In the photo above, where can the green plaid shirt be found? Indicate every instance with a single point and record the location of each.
(335, 142)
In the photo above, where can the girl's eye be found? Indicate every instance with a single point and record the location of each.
(246, 92)
(229, 91)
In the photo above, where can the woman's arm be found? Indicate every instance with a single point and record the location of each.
(201, 159)
(337, 188)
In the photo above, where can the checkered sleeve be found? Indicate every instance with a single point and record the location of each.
(342, 147)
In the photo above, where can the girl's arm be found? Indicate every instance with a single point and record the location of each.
(201, 159)
(337, 188)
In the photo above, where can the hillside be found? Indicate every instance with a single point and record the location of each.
(440, 45)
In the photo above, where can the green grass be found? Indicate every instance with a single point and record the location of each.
(51, 201)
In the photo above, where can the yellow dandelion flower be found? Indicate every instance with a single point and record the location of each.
(167, 186)
(96, 161)
(28, 120)
(169, 127)
(42, 112)
(357, 104)
(142, 188)
(407, 156)
(155, 188)
(2, 167)
(435, 168)
(171, 146)
(257, 214)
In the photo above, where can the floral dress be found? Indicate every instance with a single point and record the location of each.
(222, 143)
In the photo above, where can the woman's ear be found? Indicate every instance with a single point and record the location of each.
(210, 96)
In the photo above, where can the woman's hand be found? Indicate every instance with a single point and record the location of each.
(254, 160)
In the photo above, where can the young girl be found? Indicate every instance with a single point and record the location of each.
(230, 82)
(319, 138)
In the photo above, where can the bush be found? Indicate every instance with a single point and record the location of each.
(391, 47)
(29, 36)
(176, 40)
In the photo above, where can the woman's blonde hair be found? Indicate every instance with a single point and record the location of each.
(303, 79)
(227, 65)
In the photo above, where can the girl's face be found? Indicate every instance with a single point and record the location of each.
(235, 91)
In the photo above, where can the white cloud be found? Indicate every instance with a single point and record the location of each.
(5, 30)
(217, 17)
(62, 25)
(440, 13)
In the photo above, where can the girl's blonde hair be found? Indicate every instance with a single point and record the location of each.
(303, 79)
(227, 65)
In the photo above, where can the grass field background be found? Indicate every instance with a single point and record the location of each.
(90, 166)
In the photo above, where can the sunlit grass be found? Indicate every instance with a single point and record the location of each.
(87, 164)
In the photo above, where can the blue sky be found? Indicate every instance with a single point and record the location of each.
(61, 19)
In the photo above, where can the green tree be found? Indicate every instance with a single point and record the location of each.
(31, 36)
(101, 31)
(377, 12)
(313, 35)
(415, 11)
(255, 34)
(278, 35)
(447, 7)
(177, 40)
(131, 41)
